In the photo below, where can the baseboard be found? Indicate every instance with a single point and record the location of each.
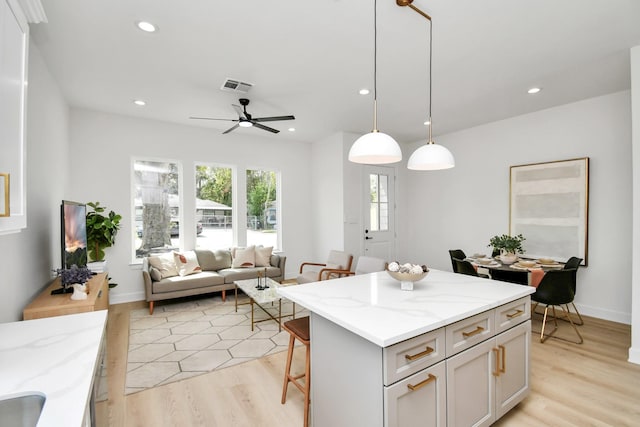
(634, 355)
(613, 316)
(120, 298)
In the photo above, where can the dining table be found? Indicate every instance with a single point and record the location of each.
(532, 270)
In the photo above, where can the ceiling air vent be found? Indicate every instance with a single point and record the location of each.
(233, 85)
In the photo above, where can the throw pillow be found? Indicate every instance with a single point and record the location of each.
(155, 274)
(263, 256)
(186, 263)
(244, 257)
(165, 264)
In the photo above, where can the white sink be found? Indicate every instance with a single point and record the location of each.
(21, 411)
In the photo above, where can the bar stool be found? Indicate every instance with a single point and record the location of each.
(298, 329)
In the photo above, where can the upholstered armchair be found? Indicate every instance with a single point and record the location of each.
(337, 263)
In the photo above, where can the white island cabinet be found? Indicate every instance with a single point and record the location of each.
(452, 352)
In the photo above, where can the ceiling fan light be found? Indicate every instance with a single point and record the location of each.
(375, 148)
(245, 124)
(431, 157)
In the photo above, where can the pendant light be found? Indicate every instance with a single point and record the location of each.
(375, 148)
(430, 156)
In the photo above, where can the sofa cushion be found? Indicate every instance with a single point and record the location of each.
(186, 263)
(233, 274)
(155, 274)
(263, 256)
(193, 281)
(244, 258)
(213, 260)
(165, 264)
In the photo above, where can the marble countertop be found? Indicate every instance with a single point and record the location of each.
(55, 357)
(374, 307)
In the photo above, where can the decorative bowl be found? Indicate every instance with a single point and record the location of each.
(546, 261)
(484, 261)
(407, 279)
(526, 263)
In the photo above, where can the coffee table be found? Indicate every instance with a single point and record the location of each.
(262, 297)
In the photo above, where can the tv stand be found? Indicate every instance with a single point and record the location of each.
(48, 305)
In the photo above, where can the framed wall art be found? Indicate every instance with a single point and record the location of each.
(549, 206)
(4, 194)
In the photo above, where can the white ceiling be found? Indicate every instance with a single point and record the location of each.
(310, 58)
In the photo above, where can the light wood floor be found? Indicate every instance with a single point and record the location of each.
(572, 385)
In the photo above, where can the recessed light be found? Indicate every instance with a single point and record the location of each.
(292, 129)
(364, 92)
(146, 26)
(139, 102)
(534, 90)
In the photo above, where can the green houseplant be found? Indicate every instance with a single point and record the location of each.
(101, 230)
(507, 245)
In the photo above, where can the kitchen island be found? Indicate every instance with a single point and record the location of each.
(452, 352)
(56, 358)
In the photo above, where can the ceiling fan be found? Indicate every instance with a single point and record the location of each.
(245, 119)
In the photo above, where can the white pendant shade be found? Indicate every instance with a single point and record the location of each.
(375, 148)
(431, 157)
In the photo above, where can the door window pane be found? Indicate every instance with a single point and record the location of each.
(157, 207)
(262, 208)
(214, 207)
(379, 202)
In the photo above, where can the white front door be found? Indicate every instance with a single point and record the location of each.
(379, 212)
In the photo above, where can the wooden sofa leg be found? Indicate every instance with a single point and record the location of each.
(150, 308)
(224, 295)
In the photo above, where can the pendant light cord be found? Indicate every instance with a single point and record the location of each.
(375, 66)
(430, 77)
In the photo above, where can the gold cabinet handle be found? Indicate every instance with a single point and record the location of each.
(421, 384)
(503, 350)
(476, 331)
(516, 314)
(412, 357)
(496, 352)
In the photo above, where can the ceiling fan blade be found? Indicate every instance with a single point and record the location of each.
(239, 111)
(211, 118)
(263, 127)
(273, 119)
(230, 129)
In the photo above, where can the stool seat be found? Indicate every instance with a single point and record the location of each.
(298, 329)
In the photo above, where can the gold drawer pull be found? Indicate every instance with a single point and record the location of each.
(474, 332)
(412, 357)
(496, 352)
(516, 314)
(421, 384)
(503, 350)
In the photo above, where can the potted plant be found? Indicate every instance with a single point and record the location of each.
(508, 246)
(101, 230)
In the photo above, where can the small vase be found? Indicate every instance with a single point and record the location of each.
(79, 292)
(507, 257)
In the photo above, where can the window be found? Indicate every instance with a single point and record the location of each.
(262, 208)
(379, 204)
(157, 207)
(214, 207)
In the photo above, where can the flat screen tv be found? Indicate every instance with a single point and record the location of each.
(74, 234)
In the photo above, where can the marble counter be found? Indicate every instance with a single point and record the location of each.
(373, 306)
(55, 357)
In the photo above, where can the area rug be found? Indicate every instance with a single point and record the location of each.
(185, 338)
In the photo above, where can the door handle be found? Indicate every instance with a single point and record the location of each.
(367, 238)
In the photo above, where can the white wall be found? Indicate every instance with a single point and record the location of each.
(102, 146)
(463, 207)
(634, 351)
(28, 256)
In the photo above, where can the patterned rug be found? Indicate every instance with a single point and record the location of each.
(185, 338)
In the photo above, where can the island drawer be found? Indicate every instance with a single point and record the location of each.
(469, 332)
(512, 313)
(410, 356)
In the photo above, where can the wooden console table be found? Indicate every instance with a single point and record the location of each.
(47, 305)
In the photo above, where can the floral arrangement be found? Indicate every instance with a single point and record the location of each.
(74, 274)
(511, 244)
(407, 268)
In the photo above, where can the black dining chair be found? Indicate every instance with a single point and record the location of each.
(574, 263)
(464, 267)
(456, 254)
(556, 290)
(511, 276)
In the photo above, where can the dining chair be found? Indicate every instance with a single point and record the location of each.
(574, 263)
(464, 267)
(368, 264)
(456, 254)
(556, 290)
(298, 329)
(337, 263)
